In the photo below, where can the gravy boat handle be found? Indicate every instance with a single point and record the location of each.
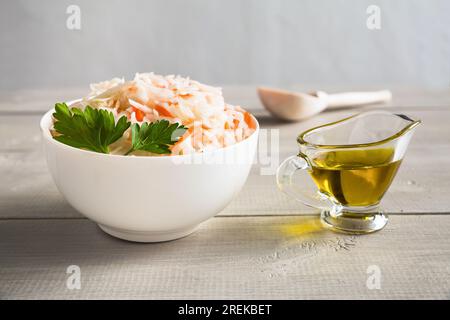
(312, 198)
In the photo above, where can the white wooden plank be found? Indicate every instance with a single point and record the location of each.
(26, 188)
(402, 97)
(37, 100)
(43, 99)
(422, 185)
(228, 258)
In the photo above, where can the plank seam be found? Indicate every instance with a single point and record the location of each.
(10, 112)
(234, 216)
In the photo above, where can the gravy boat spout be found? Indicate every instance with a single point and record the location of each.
(364, 130)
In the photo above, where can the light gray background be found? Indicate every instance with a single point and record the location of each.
(274, 42)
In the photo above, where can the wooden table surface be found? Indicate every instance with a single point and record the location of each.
(262, 246)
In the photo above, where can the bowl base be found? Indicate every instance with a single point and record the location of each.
(151, 236)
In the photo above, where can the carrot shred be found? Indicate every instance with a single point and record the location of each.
(139, 114)
(163, 111)
(249, 120)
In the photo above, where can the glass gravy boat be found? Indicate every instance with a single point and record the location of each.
(352, 163)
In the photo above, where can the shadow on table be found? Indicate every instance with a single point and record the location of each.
(268, 120)
(50, 242)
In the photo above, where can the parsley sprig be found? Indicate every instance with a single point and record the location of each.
(155, 137)
(96, 129)
(92, 129)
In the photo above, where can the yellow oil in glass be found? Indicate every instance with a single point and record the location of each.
(355, 177)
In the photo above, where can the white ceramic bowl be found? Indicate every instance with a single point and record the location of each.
(148, 199)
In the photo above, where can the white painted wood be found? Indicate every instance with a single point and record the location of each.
(39, 101)
(249, 257)
(422, 185)
(228, 258)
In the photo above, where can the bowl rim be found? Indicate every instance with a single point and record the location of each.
(45, 123)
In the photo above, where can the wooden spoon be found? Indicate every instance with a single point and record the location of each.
(296, 106)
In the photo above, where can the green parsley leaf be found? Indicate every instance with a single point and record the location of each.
(155, 137)
(92, 129)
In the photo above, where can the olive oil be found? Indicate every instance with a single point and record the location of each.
(355, 177)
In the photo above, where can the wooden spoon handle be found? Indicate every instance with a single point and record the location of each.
(358, 98)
